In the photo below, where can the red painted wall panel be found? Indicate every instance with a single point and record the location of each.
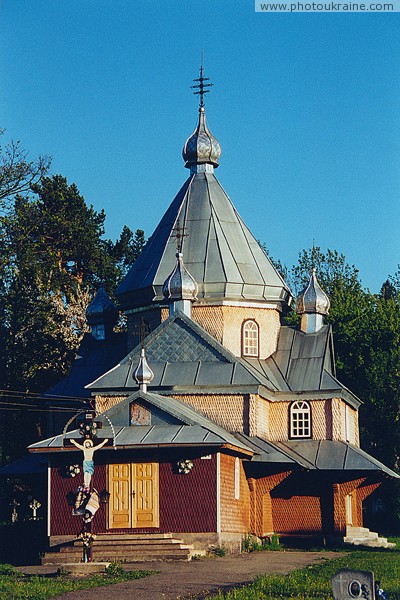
(187, 502)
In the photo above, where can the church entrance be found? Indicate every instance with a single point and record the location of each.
(134, 495)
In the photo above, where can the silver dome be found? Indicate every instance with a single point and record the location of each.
(180, 285)
(312, 299)
(143, 373)
(201, 147)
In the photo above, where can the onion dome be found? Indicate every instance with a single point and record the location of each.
(101, 314)
(180, 285)
(143, 374)
(201, 147)
(312, 299)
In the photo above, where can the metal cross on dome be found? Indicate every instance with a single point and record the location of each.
(201, 86)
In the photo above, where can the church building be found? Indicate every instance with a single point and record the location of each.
(220, 422)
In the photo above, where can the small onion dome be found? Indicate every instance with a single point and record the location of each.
(180, 285)
(102, 310)
(143, 374)
(201, 147)
(313, 298)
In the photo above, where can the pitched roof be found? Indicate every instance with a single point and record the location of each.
(177, 424)
(218, 249)
(305, 363)
(183, 355)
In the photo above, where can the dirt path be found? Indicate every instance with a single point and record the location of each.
(197, 578)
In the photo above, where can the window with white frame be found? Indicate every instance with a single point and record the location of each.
(250, 338)
(300, 420)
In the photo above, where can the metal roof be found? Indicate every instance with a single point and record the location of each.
(328, 455)
(190, 427)
(305, 363)
(322, 455)
(182, 354)
(218, 249)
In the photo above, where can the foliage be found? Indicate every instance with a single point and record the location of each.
(53, 256)
(9, 570)
(114, 569)
(251, 543)
(16, 587)
(17, 172)
(220, 551)
(314, 581)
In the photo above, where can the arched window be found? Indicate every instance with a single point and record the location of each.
(300, 419)
(250, 338)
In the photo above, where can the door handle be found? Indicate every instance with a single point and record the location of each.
(133, 493)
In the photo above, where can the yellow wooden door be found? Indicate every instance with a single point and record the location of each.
(133, 495)
(120, 506)
(145, 486)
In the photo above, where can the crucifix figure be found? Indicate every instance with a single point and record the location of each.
(88, 450)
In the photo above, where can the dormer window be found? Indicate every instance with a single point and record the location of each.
(300, 419)
(250, 339)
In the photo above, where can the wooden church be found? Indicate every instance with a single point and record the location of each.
(220, 422)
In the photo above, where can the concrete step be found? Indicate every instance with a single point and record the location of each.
(51, 558)
(356, 531)
(131, 548)
(131, 543)
(361, 536)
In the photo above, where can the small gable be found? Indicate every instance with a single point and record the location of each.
(136, 411)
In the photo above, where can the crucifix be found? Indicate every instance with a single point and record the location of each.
(88, 449)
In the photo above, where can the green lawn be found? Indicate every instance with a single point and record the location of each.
(15, 586)
(314, 581)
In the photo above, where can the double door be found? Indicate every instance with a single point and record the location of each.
(134, 495)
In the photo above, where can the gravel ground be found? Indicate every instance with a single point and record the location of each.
(195, 579)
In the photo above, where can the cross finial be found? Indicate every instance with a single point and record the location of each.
(144, 331)
(179, 235)
(200, 86)
(313, 256)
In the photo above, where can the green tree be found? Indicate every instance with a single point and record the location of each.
(17, 172)
(125, 250)
(52, 257)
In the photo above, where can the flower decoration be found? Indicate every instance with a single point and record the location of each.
(87, 538)
(185, 466)
(88, 429)
(72, 470)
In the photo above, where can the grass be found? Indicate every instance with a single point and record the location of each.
(314, 581)
(15, 586)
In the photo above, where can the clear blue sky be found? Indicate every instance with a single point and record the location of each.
(306, 108)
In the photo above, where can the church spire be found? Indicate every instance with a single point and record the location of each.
(201, 150)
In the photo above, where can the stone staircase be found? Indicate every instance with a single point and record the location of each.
(109, 547)
(361, 536)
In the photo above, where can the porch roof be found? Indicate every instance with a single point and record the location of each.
(186, 427)
(322, 455)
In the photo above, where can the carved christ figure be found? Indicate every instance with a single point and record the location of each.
(88, 450)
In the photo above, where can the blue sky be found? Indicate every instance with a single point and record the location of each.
(305, 107)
